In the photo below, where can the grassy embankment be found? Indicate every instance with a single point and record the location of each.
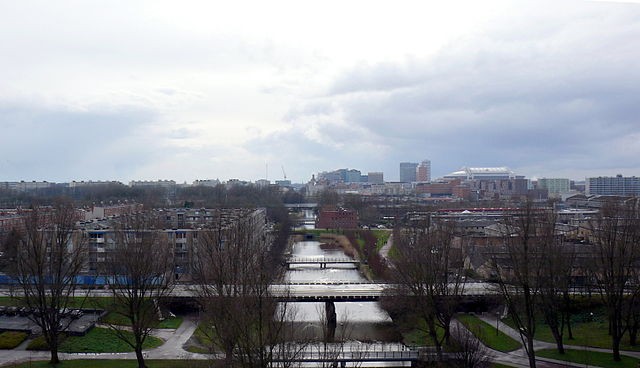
(589, 327)
(496, 340)
(98, 340)
(590, 358)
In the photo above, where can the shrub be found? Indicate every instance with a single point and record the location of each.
(11, 339)
(39, 343)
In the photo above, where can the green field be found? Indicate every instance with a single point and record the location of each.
(11, 339)
(381, 237)
(587, 331)
(98, 340)
(418, 336)
(119, 320)
(591, 358)
(487, 334)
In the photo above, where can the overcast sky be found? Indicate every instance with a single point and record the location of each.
(122, 90)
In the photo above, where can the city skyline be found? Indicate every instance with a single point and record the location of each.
(148, 90)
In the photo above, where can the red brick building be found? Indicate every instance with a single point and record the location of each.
(337, 218)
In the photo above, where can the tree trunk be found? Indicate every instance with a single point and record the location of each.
(615, 328)
(566, 313)
(569, 329)
(633, 333)
(433, 333)
(447, 331)
(531, 353)
(228, 356)
(54, 356)
(556, 331)
(140, 357)
(615, 345)
(558, 337)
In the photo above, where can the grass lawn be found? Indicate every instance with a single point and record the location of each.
(119, 320)
(11, 339)
(594, 333)
(487, 334)
(98, 340)
(418, 335)
(201, 338)
(118, 363)
(590, 357)
(381, 238)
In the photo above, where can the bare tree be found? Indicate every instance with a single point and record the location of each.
(335, 339)
(428, 271)
(616, 234)
(556, 279)
(49, 257)
(138, 265)
(527, 234)
(470, 352)
(234, 269)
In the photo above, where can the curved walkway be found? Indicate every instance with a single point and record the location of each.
(519, 357)
(171, 349)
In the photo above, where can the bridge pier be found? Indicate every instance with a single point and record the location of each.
(332, 321)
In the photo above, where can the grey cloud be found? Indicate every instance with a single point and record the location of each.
(47, 143)
(546, 95)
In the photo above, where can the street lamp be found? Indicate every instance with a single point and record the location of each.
(497, 322)
(586, 343)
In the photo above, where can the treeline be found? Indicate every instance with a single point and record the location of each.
(154, 196)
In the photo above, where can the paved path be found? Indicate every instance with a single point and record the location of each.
(519, 357)
(384, 251)
(171, 349)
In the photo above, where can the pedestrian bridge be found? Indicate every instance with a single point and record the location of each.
(336, 292)
(321, 261)
(303, 292)
(358, 352)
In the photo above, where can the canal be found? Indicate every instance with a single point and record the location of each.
(357, 321)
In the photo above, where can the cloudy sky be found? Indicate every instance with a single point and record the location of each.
(122, 90)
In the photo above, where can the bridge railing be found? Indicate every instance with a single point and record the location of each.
(350, 356)
(321, 260)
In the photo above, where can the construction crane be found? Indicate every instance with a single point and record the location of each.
(284, 173)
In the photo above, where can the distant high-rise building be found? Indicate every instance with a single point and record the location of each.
(352, 176)
(613, 185)
(408, 172)
(375, 177)
(554, 186)
(423, 171)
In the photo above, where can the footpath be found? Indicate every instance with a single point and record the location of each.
(518, 358)
(171, 349)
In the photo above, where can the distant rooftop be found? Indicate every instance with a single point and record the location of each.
(482, 172)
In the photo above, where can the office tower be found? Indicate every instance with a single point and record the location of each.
(408, 171)
(423, 171)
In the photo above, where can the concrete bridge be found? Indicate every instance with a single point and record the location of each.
(345, 354)
(327, 292)
(322, 261)
(301, 206)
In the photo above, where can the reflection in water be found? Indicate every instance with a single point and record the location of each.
(362, 313)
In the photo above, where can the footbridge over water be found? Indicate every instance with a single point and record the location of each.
(332, 292)
(321, 261)
(357, 352)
